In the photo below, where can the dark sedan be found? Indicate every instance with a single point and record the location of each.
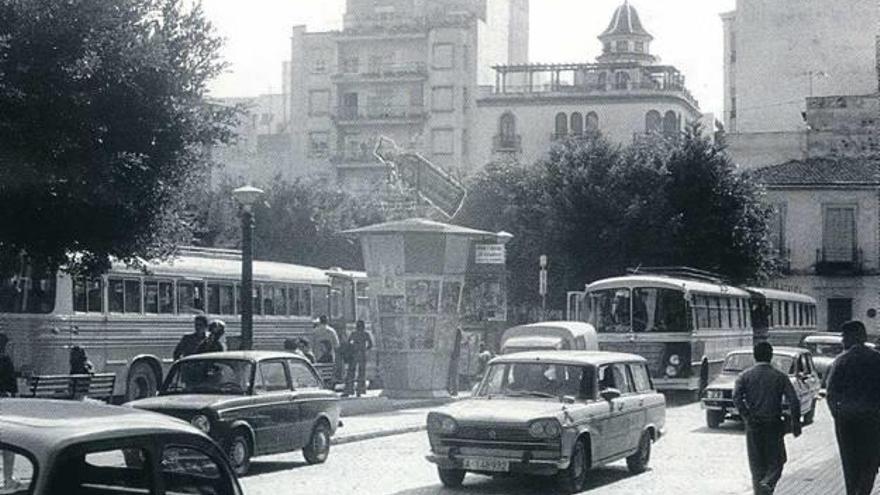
(252, 403)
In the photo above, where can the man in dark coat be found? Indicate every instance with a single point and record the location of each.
(757, 395)
(359, 343)
(8, 378)
(190, 343)
(853, 395)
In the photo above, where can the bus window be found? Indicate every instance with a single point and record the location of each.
(255, 297)
(280, 301)
(227, 299)
(363, 301)
(701, 307)
(336, 303)
(300, 301)
(658, 310)
(124, 295)
(190, 297)
(214, 299)
(317, 300)
(729, 304)
(269, 300)
(86, 295)
(786, 321)
(166, 298)
(610, 310)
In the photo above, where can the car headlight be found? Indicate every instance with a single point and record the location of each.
(671, 371)
(675, 360)
(545, 428)
(714, 394)
(440, 423)
(201, 422)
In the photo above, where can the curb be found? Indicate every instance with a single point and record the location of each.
(369, 435)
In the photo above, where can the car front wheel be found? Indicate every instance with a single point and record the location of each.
(239, 452)
(714, 418)
(451, 478)
(572, 479)
(318, 448)
(638, 462)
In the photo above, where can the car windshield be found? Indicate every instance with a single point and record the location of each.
(209, 376)
(736, 363)
(542, 380)
(824, 349)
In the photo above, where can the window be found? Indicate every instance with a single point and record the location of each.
(701, 305)
(577, 124)
(641, 378)
(621, 46)
(443, 56)
(319, 102)
(561, 129)
(159, 297)
(24, 472)
(124, 295)
(610, 310)
(507, 126)
(280, 301)
(123, 470)
(442, 141)
(777, 227)
(268, 300)
(220, 299)
(190, 296)
(602, 81)
(591, 122)
(640, 47)
(621, 80)
(653, 122)
(350, 65)
(30, 290)
(319, 144)
(88, 295)
(274, 376)
(187, 470)
(658, 310)
(839, 234)
(615, 376)
(302, 376)
(670, 124)
(733, 47)
(606, 47)
(442, 99)
(300, 301)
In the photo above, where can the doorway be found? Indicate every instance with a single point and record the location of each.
(839, 312)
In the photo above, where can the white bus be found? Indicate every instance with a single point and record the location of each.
(781, 317)
(129, 321)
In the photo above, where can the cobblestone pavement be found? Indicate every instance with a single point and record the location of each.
(690, 459)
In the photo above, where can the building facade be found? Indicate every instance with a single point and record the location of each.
(624, 94)
(405, 69)
(779, 53)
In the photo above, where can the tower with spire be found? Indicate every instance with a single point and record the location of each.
(626, 40)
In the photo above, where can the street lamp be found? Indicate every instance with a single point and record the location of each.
(247, 196)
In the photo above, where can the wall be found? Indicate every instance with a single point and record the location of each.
(779, 42)
(765, 148)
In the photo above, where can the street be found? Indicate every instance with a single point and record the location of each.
(690, 459)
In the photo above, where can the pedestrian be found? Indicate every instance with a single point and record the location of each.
(454, 357)
(189, 343)
(758, 395)
(359, 342)
(8, 388)
(79, 362)
(853, 395)
(216, 338)
(305, 349)
(325, 352)
(326, 333)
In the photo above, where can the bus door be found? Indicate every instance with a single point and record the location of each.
(575, 306)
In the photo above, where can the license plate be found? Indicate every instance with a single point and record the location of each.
(493, 465)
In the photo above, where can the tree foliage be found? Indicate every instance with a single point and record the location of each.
(105, 127)
(597, 209)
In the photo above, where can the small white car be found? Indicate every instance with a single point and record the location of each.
(557, 413)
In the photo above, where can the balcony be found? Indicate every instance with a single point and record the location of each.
(389, 72)
(411, 114)
(507, 143)
(836, 263)
(586, 135)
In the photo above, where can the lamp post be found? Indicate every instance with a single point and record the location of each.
(247, 196)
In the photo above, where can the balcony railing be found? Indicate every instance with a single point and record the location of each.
(377, 71)
(590, 134)
(507, 143)
(838, 263)
(367, 114)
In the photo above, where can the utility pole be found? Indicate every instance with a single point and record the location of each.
(542, 285)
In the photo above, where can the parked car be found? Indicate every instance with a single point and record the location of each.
(796, 362)
(550, 335)
(825, 346)
(555, 413)
(252, 403)
(52, 447)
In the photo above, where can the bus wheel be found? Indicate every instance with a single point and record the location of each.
(142, 381)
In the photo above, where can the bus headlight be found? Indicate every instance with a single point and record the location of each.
(675, 360)
(671, 371)
(201, 422)
(545, 428)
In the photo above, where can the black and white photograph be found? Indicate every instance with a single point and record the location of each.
(437, 247)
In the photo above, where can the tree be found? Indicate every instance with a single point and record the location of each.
(105, 128)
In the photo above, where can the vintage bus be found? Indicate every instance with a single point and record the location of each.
(781, 317)
(683, 323)
(130, 320)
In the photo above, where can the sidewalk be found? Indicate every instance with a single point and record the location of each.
(369, 426)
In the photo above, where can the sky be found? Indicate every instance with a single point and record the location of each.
(687, 34)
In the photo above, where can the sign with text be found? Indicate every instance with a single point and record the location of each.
(489, 254)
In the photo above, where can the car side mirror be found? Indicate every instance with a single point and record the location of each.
(610, 394)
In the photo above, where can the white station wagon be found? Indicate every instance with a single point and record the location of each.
(555, 413)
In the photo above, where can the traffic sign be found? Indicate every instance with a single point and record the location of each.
(431, 183)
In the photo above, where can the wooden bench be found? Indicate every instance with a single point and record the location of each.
(97, 386)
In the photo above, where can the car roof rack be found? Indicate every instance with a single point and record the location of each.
(681, 272)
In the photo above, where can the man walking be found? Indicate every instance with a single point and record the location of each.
(853, 395)
(190, 343)
(757, 395)
(359, 342)
(326, 333)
